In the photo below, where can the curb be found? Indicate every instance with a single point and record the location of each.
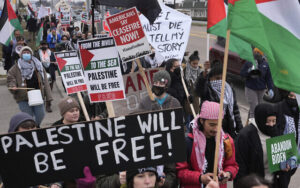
(2, 81)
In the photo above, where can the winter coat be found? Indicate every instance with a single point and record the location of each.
(176, 89)
(147, 105)
(249, 156)
(204, 90)
(14, 79)
(265, 80)
(188, 172)
(53, 41)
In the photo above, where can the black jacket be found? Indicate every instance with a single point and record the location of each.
(176, 88)
(249, 156)
(204, 90)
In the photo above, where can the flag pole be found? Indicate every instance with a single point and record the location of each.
(142, 72)
(86, 115)
(93, 18)
(207, 47)
(221, 107)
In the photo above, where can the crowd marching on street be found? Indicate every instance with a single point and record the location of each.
(185, 83)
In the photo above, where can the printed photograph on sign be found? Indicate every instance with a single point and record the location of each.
(71, 71)
(170, 32)
(101, 64)
(128, 33)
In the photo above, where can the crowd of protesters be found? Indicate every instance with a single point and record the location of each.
(243, 156)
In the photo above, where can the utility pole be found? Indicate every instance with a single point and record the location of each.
(93, 18)
(174, 4)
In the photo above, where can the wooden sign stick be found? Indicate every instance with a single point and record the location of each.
(187, 94)
(145, 79)
(110, 109)
(221, 107)
(86, 115)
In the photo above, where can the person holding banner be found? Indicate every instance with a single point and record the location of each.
(201, 143)
(143, 177)
(29, 73)
(209, 88)
(251, 152)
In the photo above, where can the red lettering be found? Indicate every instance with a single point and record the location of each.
(140, 80)
(129, 83)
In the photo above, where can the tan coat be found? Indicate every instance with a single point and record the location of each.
(14, 79)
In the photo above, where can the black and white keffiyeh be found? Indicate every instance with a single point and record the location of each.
(228, 96)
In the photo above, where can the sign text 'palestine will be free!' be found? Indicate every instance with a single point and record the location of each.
(107, 146)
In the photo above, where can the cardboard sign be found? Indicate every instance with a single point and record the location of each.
(71, 71)
(128, 33)
(169, 34)
(135, 90)
(280, 149)
(65, 19)
(102, 70)
(107, 146)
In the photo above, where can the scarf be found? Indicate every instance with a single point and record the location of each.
(228, 96)
(27, 69)
(200, 144)
(45, 57)
(191, 73)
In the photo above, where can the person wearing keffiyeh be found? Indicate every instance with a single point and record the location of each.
(209, 88)
(201, 143)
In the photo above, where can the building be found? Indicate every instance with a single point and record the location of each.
(197, 9)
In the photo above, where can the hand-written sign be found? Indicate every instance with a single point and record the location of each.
(135, 90)
(169, 33)
(280, 149)
(128, 33)
(71, 71)
(102, 70)
(107, 146)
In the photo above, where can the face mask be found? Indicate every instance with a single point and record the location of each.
(291, 102)
(158, 91)
(44, 48)
(26, 57)
(177, 71)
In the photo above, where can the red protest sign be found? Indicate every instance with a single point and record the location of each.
(128, 33)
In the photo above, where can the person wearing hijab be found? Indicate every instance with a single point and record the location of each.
(28, 72)
(251, 151)
(209, 88)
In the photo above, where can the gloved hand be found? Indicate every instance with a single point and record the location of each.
(191, 99)
(271, 93)
(88, 181)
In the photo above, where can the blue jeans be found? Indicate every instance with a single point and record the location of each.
(38, 112)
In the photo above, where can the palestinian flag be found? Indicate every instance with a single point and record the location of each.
(8, 23)
(39, 37)
(217, 25)
(274, 27)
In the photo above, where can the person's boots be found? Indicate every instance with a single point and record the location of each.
(48, 106)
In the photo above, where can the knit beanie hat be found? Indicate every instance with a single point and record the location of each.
(162, 76)
(66, 104)
(194, 56)
(17, 119)
(130, 174)
(210, 110)
(26, 48)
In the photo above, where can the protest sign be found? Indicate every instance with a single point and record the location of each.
(135, 90)
(84, 17)
(107, 146)
(65, 18)
(71, 71)
(280, 149)
(97, 16)
(169, 34)
(101, 35)
(102, 70)
(128, 33)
